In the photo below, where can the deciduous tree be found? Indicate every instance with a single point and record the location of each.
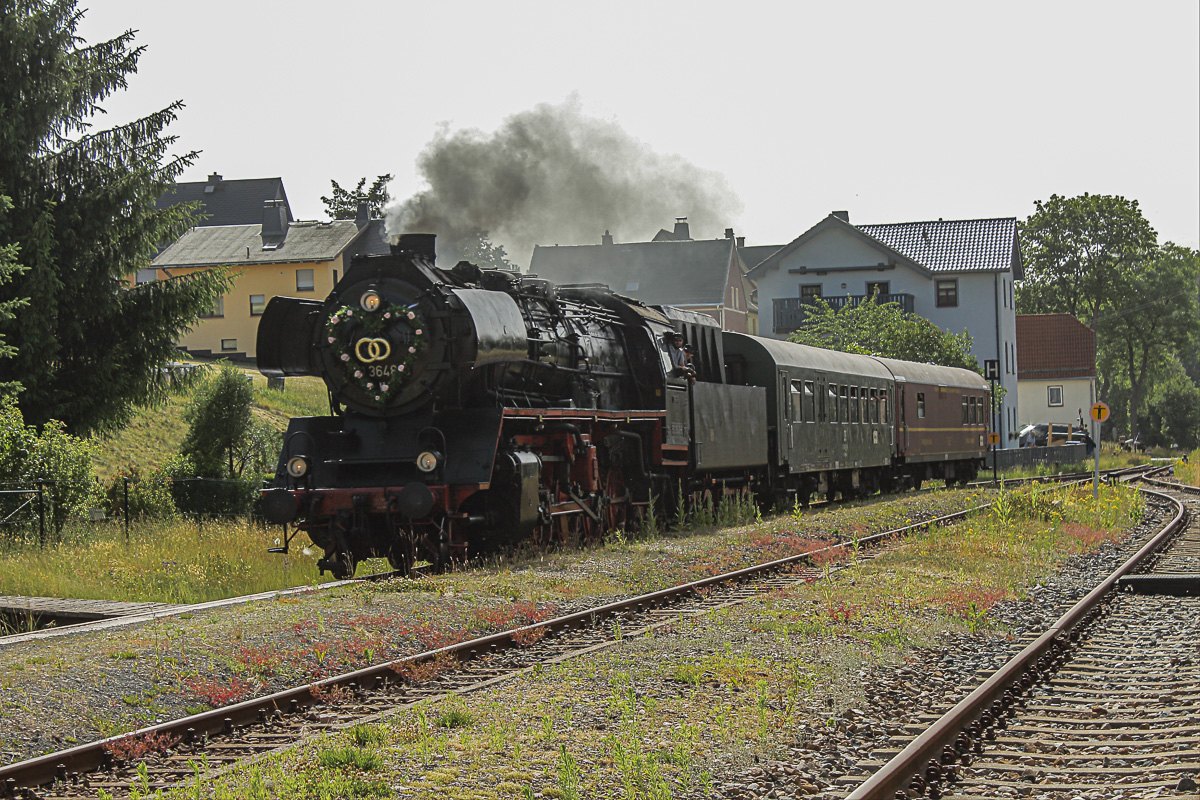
(884, 329)
(89, 346)
(342, 204)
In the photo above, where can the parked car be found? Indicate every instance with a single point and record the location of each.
(1041, 434)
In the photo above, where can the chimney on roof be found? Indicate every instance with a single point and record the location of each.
(215, 178)
(606, 238)
(729, 233)
(363, 215)
(844, 216)
(275, 224)
(682, 232)
(741, 241)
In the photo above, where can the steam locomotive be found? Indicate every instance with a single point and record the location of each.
(473, 409)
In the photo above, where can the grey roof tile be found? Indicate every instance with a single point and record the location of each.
(242, 244)
(230, 202)
(959, 245)
(675, 273)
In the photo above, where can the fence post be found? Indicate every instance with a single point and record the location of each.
(125, 482)
(41, 493)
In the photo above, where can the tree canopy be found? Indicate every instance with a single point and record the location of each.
(1097, 258)
(342, 204)
(84, 216)
(480, 251)
(883, 329)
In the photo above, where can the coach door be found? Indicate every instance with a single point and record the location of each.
(901, 412)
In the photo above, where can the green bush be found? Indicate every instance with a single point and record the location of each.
(149, 495)
(200, 496)
(52, 457)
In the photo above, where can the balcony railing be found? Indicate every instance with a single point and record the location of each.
(789, 312)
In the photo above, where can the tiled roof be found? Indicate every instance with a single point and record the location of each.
(957, 245)
(242, 244)
(755, 254)
(228, 202)
(672, 273)
(1054, 346)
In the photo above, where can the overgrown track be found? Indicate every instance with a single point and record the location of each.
(168, 754)
(1107, 699)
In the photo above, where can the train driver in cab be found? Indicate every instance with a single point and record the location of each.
(681, 366)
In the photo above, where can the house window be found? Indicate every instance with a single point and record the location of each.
(1054, 395)
(228, 345)
(733, 297)
(920, 405)
(947, 292)
(335, 277)
(258, 303)
(879, 288)
(304, 280)
(809, 292)
(217, 310)
(146, 276)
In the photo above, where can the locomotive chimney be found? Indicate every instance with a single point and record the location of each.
(275, 224)
(417, 244)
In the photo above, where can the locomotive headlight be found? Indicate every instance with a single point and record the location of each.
(297, 466)
(428, 461)
(370, 301)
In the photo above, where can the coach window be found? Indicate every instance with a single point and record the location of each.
(258, 302)
(810, 402)
(304, 280)
(797, 396)
(1054, 395)
(844, 402)
(833, 403)
(920, 405)
(883, 406)
(966, 413)
(947, 292)
(874, 405)
(854, 404)
(862, 401)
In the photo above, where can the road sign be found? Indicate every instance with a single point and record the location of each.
(1100, 412)
(991, 369)
(993, 439)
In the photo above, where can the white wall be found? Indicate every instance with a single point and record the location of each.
(1078, 396)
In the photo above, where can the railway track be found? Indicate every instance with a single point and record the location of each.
(165, 755)
(1104, 704)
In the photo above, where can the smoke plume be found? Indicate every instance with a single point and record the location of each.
(551, 175)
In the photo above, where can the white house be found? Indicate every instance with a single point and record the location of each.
(1057, 378)
(957, 273)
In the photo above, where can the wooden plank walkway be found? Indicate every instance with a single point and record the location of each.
(76, 610)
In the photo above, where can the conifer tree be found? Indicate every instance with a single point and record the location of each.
(89, 345)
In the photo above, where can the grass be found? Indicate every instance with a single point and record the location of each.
(155, 434)
(1189, 472)
(167, 562)
(660, 715)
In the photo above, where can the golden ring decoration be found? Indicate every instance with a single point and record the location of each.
(369, 351)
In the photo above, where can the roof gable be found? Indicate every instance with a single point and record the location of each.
(667, 272)
(832, 222)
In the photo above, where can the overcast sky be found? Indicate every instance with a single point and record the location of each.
(892, 111)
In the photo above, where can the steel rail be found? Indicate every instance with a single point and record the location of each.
(928, 757)
(95, 755)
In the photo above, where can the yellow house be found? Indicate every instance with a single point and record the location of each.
(297, 259)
